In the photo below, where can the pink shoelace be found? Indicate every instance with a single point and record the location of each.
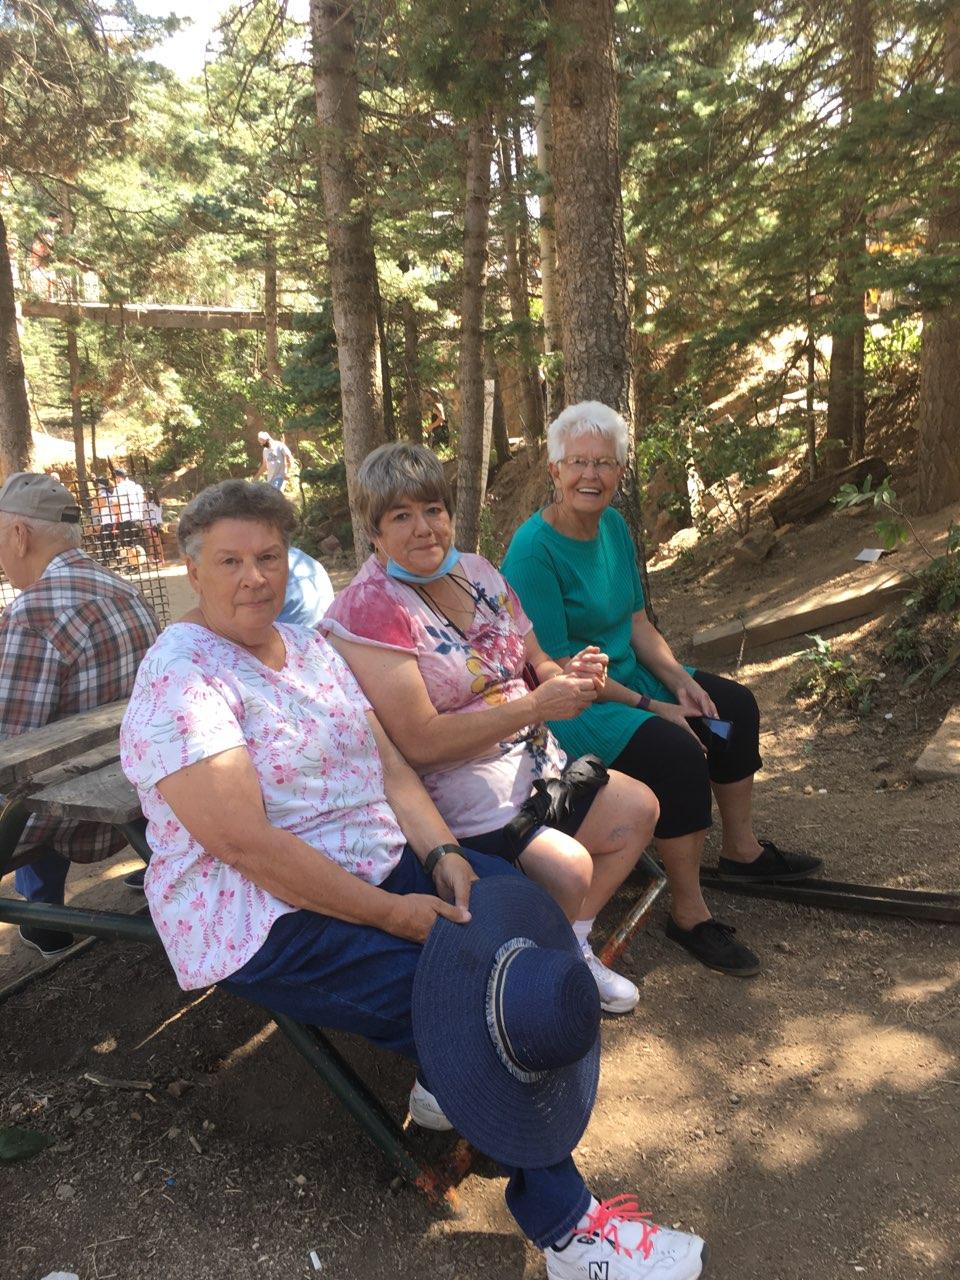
(604, 1218)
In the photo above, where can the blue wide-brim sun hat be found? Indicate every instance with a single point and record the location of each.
(506, 1018)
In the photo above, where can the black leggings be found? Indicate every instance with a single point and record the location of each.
(666, 758)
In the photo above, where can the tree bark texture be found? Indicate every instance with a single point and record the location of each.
(521, 356)
(474, 443)
(76, 408)
(16, 441)
(352, 267)
(389, 418)
(939, 409)
(548, 263)
(501, 441)
(270, 308)
(846, 398)
(412, 394)
(588, 208)
(588, 217)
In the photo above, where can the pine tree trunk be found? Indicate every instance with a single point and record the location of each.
(501, 441)
(76, 409)
(412, 408)
(521, 357)
(846, 398)
(939, 409)
(16, 441)
(588, 208)
(474, 443)
(270, 342)
(591, 248)
(353, 284)
(548, 263)
(389, 417)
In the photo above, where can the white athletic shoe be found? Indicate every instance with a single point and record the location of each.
(617, 993)
(425, 1110)
(615, 1242)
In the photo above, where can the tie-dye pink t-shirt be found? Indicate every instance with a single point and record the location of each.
(482, 668)
(306, 731)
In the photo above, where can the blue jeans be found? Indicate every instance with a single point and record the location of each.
(356, 978)
(43, 879)
(277, 482)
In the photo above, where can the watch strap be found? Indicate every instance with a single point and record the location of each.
(434, 856)
(644, 703)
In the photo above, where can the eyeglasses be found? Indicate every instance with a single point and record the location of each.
(602, 465)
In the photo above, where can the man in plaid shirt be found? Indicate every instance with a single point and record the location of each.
(72, 640)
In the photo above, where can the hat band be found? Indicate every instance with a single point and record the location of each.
(496, 1024)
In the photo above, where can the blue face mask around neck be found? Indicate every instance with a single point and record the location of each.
(450, 561)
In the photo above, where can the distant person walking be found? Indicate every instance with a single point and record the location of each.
(277, 461)
(128, 500)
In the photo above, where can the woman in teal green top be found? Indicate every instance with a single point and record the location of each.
(574, 568)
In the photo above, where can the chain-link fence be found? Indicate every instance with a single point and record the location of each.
(121, 531)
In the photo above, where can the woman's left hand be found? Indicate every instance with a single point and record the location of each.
(452, 878)
(694, 699)
(591, 664)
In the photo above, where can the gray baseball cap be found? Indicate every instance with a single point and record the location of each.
(26, 493)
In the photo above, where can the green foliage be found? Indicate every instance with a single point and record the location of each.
(892, 526)
(889, 350)
(833, 681)
(311, 377)
(926, 640)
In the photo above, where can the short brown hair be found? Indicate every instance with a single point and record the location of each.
(234, 500)
(394, 472)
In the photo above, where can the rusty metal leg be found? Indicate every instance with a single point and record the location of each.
(635, 919)
(366, 1109)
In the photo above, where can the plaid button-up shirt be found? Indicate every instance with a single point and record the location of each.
(71, 641)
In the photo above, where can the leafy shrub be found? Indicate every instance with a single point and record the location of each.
(834, 681)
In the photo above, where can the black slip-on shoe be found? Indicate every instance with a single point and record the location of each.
(772, 865)
(49, 942)
(135, 879)
(713, 944)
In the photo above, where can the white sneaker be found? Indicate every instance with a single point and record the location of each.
(617, 993)
(425, 1110)
(615, 1242)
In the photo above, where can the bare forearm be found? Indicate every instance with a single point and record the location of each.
(656, 655)
(291, 870)
(417, 815)
(614, 691)
(460, 735)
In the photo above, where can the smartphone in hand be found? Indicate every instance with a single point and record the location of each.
(721, 728)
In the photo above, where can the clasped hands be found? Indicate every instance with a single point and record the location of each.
(564, 696)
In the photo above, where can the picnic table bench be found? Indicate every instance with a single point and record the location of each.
(70, 769)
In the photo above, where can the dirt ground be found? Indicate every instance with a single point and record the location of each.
(806, 1122)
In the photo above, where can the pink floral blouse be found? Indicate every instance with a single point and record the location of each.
(462, 673)
(307, 734)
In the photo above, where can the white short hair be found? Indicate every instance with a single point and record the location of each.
(59, 533)
(588, 418)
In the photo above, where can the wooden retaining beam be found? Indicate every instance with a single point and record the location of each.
(153, 315)
(822, 609)
(940, 758)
